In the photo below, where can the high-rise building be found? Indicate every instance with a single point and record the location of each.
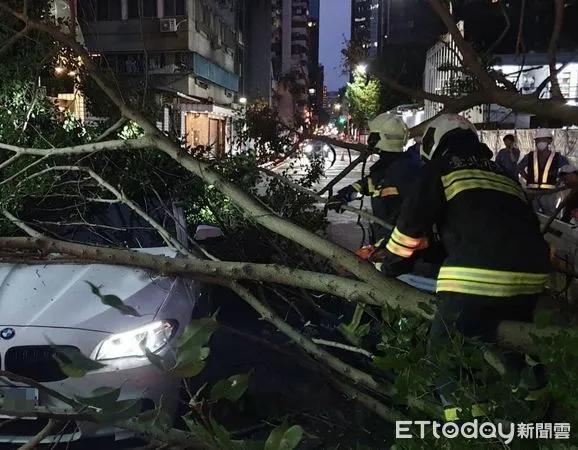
(367, 24)
(409, 22)
(316, 75)
(190, 51)
(294, 49)
(257, 71)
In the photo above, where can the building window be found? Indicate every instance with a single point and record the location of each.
(108, 10)
(86, 10)
(174, 8)
(141, 8)
(149, 8)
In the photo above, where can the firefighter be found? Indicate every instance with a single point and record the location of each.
(540, 169)
(497, 261)
(389, 178)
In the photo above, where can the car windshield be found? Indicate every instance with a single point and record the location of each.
(104, 223)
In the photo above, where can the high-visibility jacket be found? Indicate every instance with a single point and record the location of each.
(490, 233)
(544, 177)
(389, 181)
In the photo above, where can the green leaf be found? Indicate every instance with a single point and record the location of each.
(198, 332)
(156, 418)
(284, 437)
(273, 442)
(544, 318)
(387, 363)
(232, 388)
(291, 438)
(191, 361)
(222, 435)
(154, 359)
(363, 330)
(73, 363)
(102, 398)
(113, 301)
(127, 409)
(426, 307)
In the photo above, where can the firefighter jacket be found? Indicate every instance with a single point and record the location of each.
(388, 183)
(490, 234)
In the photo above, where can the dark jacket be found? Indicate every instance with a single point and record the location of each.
(488, 229)
(389, 181)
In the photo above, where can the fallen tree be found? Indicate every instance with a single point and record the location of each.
(368, 287)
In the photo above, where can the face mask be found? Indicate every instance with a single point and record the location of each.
(541, 145)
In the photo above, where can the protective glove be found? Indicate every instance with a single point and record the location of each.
(336, 203)
(366, 252)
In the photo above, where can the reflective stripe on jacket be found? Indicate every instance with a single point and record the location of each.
(488, 228)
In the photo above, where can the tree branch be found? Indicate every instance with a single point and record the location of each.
(350, 372)
(558, 21)
(15, 38)
(352, 290)
(343, 173)
(118, 124)
(470, 57)
(520, 46)
(40, 436)
(171, 242)
(502, 35)
(545, 82)
(319, 198)
(116, 145)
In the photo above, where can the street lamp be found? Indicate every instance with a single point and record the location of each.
(243, 100)
(361, 69)
(312, 91)
(337, 106)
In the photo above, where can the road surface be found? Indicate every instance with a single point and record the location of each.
(342, 228)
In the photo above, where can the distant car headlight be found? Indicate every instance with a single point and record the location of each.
(153, 336)
(309, 148)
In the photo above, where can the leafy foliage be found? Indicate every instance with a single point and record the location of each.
(363, 98)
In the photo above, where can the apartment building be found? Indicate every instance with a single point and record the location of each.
(294, 48)
(191, 51)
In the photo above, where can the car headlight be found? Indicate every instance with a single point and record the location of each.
(153, 336)
(308, 148)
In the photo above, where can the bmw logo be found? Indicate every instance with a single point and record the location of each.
(7, 333)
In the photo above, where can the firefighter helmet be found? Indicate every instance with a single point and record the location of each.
(387, 133)
(440, 127)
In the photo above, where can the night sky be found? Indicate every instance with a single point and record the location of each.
(334, 25)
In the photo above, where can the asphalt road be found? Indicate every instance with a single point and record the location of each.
(343, 228)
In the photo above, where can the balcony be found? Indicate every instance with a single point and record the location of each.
(173, 64)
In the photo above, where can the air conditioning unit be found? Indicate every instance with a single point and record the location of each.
(168, 25)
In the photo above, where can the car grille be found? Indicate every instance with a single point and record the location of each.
(36, 362)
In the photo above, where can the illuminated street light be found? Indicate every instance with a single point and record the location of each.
(337, 106)
(361, 68)
(312, 91)
(243, 101)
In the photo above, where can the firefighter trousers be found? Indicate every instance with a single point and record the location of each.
(477, 318)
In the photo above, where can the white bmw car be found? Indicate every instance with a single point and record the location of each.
(43, 306)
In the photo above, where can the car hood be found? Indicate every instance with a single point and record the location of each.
(57, 295)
